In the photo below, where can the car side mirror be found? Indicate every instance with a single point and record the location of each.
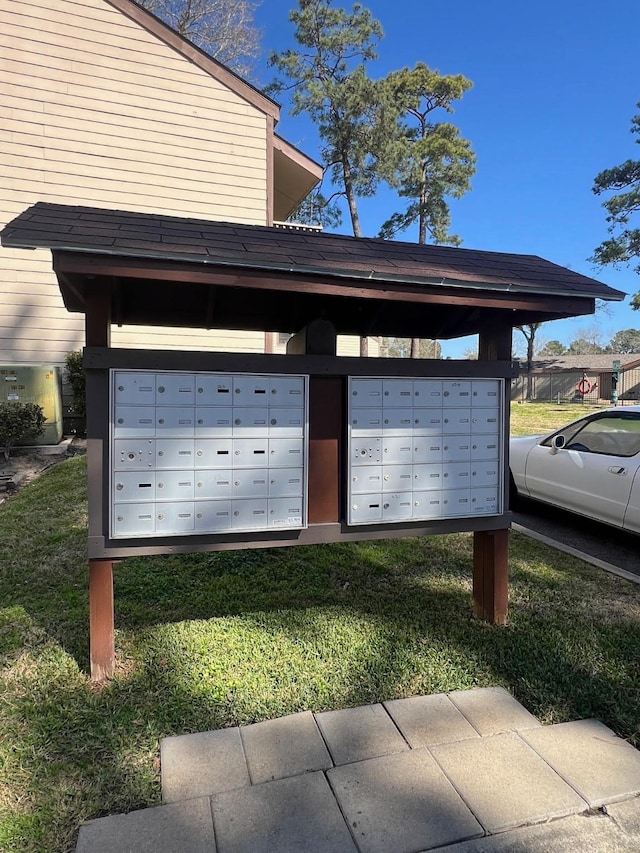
(557, 443)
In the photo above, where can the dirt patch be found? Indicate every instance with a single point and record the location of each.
(27, 463)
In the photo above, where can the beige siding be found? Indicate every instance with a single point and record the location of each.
(97, 111)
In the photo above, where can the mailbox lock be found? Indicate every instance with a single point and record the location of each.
(198, 515)
(120, 518)
(236, 513)
(386, 476)
(160, 517)
(274, 421)
(161, 453)
(161, 485)
(120, 387)
(120, 420)
(160, 420)
(120, 487)
(385, 506)
(161, 389)
(237, 421)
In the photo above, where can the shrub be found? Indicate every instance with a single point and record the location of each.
(76, 377)
(19, 421)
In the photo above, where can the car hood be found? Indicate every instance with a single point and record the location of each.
(524, 442)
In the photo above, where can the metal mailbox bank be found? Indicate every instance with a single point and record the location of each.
(202, 451)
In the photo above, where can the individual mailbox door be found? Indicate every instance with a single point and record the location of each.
(134, 455)
(365, 509)
(366, 451)
(427, 393)
(366, 393)
(456, 502)
(486, 392)
(175, 485)
(427, 477)
(456, 421)
(250, 421)
(485, 473)
(427, 421)
(456, 475)
(456, 448)
(213, 421)
(175, 389)
(175, 421)
(250, 483)
(485, 447)
(134, 519)
(251, 391)
(397, 421)
(249, 514)
(250, 452)
(134, 422)
(285, 512)
(135, 389)
(427, 505)
(212, 516)
(456, 392)
(213, 483)
(397, 393)
(366, 421)
(213, 453)
(174, 518)
(286, 453)
(396, 507)
(286, 391)
(397, 450)
(485, 501)
(214, 390)
(286, 482)
(175, 453)
(366, 479)
(485, 420)
(427, 448)
(286, 422)
(134, 486)
(397, 478)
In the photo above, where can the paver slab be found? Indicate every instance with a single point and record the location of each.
(505, 783)
(284, 747)
(200, 764)
(286, 816)
(575, 834)
(626, 815)
(602, 767)
(492, 710)
(428, 720)
(355, 734)
(401, 803)
(187, 827)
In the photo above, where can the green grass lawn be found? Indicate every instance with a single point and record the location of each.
(539, 418)
(220, 639)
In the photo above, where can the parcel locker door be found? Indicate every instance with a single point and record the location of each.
(132, 454)
(397, 421)
(175, 421)
(214, 453)
(397, 478)
(133, 519)
(286, 423)
(427, 393)
(175, 485)
(427, 448)
(427, 505)
(366, 451)
(456, 503)
(456, 392)
(175, 518)
(175, 453)
(134, 486)
(134, 389)
(396, 507)
(249, 514)
(366, 422)
(427, 477)
(250, 452)
(134, 422)
(486, 393)
(175, 389)
(251, 391)
(285, 512)
(397, 393)
(365, 509)
(250, 420)
(456, 421)
(485, 501)
(212, 516)
(286, 453)
(485, 473)
(250, 483)
(286, 391)
(397, 450)
(456, 475)
(213, 389)
(286, 482)
(213, 422)
(485, 421)
(365, 393)
(366, 479)
(456, 448)
(214, 483)
(485, 447)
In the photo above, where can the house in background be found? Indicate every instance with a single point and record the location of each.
(104, 105)
(577, 378)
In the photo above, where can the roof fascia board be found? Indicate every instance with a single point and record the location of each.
(298, 157)
(194, 54)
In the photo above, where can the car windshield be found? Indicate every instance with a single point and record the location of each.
(613, 433)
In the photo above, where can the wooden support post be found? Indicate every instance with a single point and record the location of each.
(101, 622)
(491, 575)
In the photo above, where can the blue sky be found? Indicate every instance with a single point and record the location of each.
(555, 88)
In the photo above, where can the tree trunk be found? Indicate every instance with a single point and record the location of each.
(415, 347)
(529, 366)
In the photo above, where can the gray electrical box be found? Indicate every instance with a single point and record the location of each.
(26, 383)
(195, 453)
(424, 448)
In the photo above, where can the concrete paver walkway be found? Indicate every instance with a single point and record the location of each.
(472, 771)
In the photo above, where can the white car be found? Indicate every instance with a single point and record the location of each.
(591, 467)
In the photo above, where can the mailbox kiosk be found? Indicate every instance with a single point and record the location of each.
(201, 451)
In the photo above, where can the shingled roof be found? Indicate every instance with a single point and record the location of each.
(307, 274)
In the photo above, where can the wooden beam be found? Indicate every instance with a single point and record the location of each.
(491, 575)
(101, 620)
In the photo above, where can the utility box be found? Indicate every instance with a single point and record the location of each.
(27, 383)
